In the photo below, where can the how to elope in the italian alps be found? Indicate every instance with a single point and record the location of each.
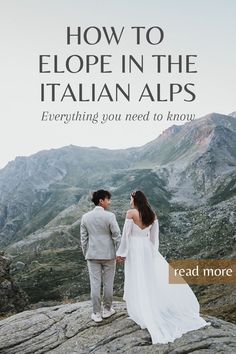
(188, 173)
(118, 177)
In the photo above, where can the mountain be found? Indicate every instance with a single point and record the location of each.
(196, 157)
(233, 114)
(35, 189)
(188, 173)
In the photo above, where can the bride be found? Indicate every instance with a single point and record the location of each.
(166, 310)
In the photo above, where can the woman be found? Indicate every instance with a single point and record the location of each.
(166, 310)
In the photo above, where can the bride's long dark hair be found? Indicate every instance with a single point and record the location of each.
(145, 211)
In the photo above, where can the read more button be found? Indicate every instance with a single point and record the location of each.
(202, 271)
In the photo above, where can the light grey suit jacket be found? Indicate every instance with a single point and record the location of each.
(100, 234)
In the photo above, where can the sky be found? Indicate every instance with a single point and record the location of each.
(33, 28)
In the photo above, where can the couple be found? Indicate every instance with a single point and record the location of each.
(166, 310)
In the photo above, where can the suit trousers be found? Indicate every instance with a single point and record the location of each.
(101, 272)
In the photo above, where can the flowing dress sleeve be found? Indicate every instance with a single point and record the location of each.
(125, 239)
(154, 234)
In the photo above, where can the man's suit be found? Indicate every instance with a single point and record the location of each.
(100, 239)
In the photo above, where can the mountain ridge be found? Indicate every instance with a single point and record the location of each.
(211, 116)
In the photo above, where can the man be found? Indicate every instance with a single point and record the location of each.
(100, 239)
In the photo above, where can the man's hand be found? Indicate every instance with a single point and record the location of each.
(120, 259)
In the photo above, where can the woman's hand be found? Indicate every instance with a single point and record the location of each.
(120, 259)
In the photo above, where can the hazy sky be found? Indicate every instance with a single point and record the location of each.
(205, 28)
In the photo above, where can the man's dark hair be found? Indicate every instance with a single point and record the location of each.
(100, 194)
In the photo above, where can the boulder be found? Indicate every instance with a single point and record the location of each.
(66, 329)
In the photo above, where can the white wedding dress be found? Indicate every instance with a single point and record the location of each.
(166, 310)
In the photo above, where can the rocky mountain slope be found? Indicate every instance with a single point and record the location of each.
(69, 329)
(188, 174)
(195, 159)
(35, 189)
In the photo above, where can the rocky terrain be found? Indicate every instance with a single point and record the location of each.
(188, 174)
(69, 329)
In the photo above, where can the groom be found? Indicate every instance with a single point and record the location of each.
(100, 238)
